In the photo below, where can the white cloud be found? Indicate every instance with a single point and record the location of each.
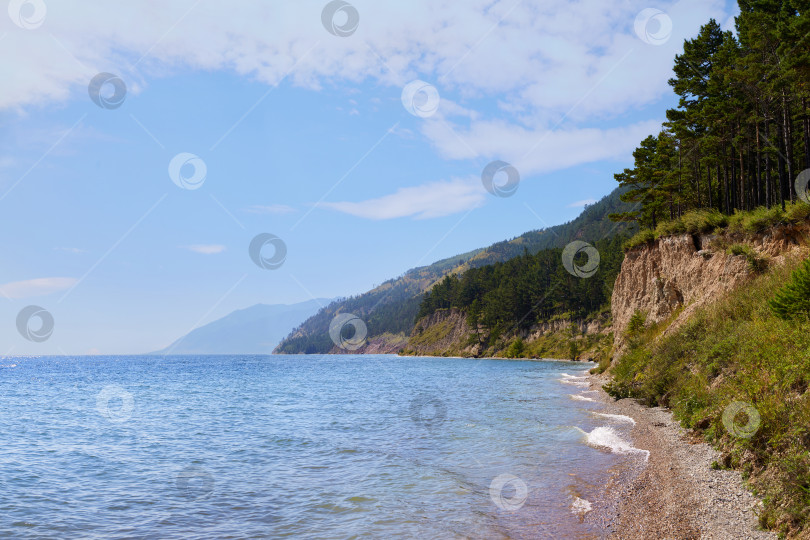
(36, 287)
(580, 204)
(432, 200)
(278, 209)
(540, 58)
(206, 249)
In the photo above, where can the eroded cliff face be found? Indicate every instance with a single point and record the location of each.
(448, 333)
(444, 332)
(684, 272)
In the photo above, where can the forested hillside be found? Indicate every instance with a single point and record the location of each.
(392, 307)
(740, 135)
(511, 296)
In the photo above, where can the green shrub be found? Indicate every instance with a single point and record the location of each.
(669, 228)
(739, 249)
(640, 238)
(704, 221)
(756, 263)
(516, 349)
(756, 220)
(573, 349)
(797, 211)
(636, 324)
(604, 364)
(793, 300)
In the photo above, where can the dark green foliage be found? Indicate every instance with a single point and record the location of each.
(636, 324)
(793, 300)
(573, 350)
(516, 349)
(741, 132)
(516, 294)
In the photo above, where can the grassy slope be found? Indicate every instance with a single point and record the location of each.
(738, 350)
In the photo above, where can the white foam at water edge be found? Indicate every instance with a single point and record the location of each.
(567, 376)
(606, 437)
(574, 382)
(579, 397)
(617, 417)
(581, 506)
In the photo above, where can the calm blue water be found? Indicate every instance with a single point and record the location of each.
(268, 447)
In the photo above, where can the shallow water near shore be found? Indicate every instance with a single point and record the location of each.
(293, 446)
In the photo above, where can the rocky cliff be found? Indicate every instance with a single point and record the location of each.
(443, 333)
(448, 333)
(671, 277)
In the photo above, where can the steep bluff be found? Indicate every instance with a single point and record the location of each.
(673, 276)
(444, 332)
(447, 332)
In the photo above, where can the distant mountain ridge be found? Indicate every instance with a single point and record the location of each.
(389, 311)
(253, 330)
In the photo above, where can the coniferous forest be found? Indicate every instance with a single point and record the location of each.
(740, 135)
(518, 293)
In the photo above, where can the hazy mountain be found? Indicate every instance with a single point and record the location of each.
(254, 330)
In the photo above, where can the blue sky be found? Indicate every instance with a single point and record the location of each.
(304, 135)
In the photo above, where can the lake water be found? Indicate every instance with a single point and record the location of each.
(304, 447)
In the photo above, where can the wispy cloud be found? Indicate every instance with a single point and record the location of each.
(536, 151)
(580, 204)
(36, 287)
(206, 249)
(277, 209)
(432, 200)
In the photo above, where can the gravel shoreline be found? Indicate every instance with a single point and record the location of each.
(675, 494)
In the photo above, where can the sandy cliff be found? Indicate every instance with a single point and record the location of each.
(673, 276)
